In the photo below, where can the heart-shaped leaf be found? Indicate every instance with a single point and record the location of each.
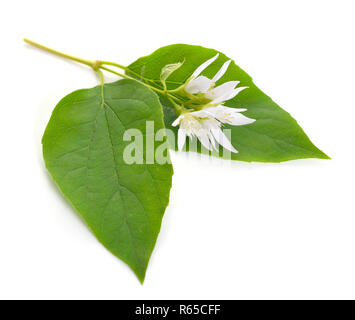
(83, 147)
(274, 137)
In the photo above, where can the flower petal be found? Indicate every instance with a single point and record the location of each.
(204, 65)
(200, 84)
(224, 89)
(223, 140)
(212, 140)
(238, 119)
(202, 135)
(235, 92)
(177, 121)
(229, 109)
(228, 95)
(181, 138)
(212, 111)
(200, 114)
(221, 71)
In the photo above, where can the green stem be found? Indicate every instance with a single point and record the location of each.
(116, 72)
(109, 63)
(178, 108)
(135, 73)
(96, 65)
(128, 77)
(145, 84)
(91, 63)
(102, 82)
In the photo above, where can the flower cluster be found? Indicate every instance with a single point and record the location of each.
(205, 123)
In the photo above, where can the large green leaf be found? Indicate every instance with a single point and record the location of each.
(274, 137)
(83, 150)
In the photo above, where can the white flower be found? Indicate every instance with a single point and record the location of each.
(206, 123)
(202, 85)
(228, 115)
(206, 126)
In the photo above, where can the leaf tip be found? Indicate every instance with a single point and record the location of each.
(140, 276)
(322, 155)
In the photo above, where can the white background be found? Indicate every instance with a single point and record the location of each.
(237, 231)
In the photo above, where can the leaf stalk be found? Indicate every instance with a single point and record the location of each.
(98, 65)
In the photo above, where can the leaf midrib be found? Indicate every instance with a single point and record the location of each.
(118, 191)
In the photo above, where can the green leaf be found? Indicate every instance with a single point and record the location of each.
(274, 137)
(83, 150)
